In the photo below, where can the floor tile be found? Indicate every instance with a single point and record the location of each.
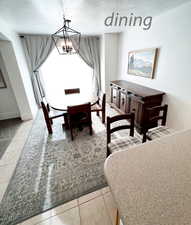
(7, 173)
(12, 153)
(46, 222)
(121, 222)
(110, 205)
(64, 207)
(69, 217)
(23, 130)
(88, 197)
(94, 212)
(105, 190)
(37, 219)
(3, 187)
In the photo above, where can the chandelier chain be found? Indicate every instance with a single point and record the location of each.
(64, 37)
(63, 4)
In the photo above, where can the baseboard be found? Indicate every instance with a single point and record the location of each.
(9, 115)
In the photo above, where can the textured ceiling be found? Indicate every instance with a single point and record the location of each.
(45, 16)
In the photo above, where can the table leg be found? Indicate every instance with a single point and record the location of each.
(65, 125)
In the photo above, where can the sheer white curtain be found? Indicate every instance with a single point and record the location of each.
(90, 52)
(61, 72)
(37, 49)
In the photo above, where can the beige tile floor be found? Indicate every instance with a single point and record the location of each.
(97, 208)
(11, 156)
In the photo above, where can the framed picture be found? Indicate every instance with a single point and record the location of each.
(2, 81)
(142, 62)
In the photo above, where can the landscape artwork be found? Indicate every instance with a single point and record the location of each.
(2, 81)
(142, 62)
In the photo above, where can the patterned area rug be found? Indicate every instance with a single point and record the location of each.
(53, 170)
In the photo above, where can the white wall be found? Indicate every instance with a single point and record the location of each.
(109, 57)
(102, 58)
(17, 70)
(171, 33)
(8, 105)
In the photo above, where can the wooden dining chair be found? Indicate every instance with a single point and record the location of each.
(123, 142)
(72, 91)
(48, 117)
(100, 106)
(79, 115)
(160, 115)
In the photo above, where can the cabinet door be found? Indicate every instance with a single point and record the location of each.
(123, 101)
(115, 96)
(136, 108)
(128, 103)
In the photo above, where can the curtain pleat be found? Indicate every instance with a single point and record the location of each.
(37, 49)
(89, 51)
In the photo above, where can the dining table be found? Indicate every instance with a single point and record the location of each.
(61, 102)
(151, 182)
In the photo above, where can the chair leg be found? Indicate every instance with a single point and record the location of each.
(71, 132)
(108, 151)
(103, 116)
(90, 129)
(117, 218)
(49, 127)
(66, 121)
(144, 137)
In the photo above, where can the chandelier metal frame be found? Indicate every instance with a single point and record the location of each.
(63, 39)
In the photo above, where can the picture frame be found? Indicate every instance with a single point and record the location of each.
(142, 62)
(2, 80)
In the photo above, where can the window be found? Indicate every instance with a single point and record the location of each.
(61, 72)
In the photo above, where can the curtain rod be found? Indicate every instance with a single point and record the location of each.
(23, 35)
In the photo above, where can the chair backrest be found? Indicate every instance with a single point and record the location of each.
(45, 110)
(153, 117)
(130, 117)
(72, 91)
(84, 109)
(157, 110)
(46, 104)
(102, 100)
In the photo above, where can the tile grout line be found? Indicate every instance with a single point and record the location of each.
(51, 216)
(107, 209)
(90, 199)
(78, 205)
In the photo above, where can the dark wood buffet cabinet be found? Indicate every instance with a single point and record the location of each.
(129, 97)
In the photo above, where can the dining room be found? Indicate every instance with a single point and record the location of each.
(99, 129)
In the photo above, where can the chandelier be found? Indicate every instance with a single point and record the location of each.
(63, 39)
